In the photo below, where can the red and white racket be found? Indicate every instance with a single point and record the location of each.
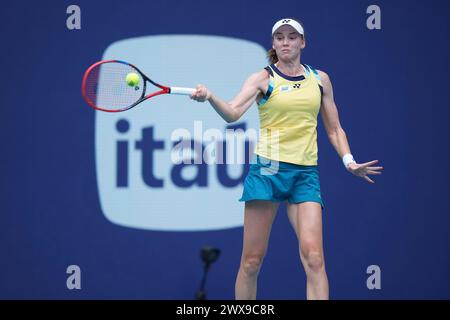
(105, 86)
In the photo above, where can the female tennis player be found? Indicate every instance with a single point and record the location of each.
(290, 96)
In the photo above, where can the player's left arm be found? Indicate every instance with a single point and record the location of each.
(336, 133)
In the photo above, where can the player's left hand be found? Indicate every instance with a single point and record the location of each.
(364, 169)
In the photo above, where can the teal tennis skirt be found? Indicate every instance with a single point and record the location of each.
(280, 181)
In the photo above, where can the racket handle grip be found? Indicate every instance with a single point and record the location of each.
(179, 90)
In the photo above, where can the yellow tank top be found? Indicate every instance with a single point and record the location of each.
(288, 117)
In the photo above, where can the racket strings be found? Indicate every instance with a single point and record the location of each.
(107, 87)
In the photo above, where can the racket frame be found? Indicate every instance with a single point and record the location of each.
(164, 89)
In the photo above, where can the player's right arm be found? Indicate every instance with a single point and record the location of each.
(232, 111)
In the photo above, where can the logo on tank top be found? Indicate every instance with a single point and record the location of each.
(286, 88)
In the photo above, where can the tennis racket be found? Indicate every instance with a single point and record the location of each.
(105, 86)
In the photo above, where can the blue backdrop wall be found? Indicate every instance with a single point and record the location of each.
(390, 86)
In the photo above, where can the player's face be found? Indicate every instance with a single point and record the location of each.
(288, 43)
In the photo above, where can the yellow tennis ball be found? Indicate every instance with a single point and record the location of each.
(132, 79)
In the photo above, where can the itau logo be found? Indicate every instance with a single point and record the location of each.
(144, 180)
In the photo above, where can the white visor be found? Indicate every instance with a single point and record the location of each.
(294, 24)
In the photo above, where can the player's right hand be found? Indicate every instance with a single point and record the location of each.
(201, 94)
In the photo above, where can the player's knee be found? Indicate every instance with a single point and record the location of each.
(252, 264)
(314, 260)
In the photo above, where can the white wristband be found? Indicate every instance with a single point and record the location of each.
(347, 159)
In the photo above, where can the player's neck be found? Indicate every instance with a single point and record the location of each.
(290, 68)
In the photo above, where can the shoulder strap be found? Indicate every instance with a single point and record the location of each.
(269, 70)
(314, 71)
(269, 89)
(316, 74)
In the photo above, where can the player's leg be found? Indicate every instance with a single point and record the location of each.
(259, 215)
(306, 219)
